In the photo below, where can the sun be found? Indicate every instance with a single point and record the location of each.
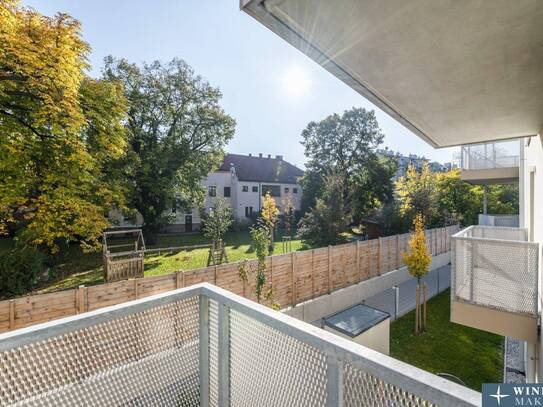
(295, 82)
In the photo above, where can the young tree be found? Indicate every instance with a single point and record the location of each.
(418, 261)
(324, 222)
(269, 215)
(177, 133)
(217, 221)
(260, 237)
(58, 132)
(288, 214)
(345, 145)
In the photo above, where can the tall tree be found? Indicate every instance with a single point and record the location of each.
(417, 194)
(323, 223)
(177, 135)
(457, 201)
(345, 145)
(58, 131)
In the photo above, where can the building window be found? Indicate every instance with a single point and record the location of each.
(227, 192)
(255, 189)
(245, 188)
(248, 211)
(273, 190)
(212, 191)
(294, 190)
(287, 190)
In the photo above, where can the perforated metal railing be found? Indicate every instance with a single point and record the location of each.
(495, 267)
(205, 346)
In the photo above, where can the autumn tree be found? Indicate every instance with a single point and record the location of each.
(177, 132)
(457, 201)
(417, 194)
(346, 146)
(418, 260)
(59, 130)
(269, 214)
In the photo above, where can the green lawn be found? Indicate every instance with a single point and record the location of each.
(76, 268)
(474, 356)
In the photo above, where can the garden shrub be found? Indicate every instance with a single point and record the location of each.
(20, 270)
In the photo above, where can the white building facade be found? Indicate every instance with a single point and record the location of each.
(242, 180)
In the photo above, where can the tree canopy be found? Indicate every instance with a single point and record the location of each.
(177, 133)
(345, 145)
(59, 130)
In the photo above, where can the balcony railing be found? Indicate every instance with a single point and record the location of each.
(205, 346)
(510, 221)
(499, 154)
(495, 267)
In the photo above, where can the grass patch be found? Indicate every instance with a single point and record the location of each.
(474, 356)
(75, 268)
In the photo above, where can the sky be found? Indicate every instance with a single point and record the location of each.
(268, 86)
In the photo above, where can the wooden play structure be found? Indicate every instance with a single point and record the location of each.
(217, 254)
(123, 254)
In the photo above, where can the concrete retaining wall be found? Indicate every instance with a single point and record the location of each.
(325, 305)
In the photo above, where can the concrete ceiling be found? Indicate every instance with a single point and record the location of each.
(452, 71)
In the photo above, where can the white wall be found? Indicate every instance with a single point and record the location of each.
(238, 199)
(532, 219)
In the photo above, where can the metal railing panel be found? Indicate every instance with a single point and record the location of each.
(496, 267)
(499, 220)
(205, 346)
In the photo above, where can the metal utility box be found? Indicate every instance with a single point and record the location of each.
(362, 324)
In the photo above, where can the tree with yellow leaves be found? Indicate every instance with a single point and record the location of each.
(60, 133)
(418, 260)
(269, 215)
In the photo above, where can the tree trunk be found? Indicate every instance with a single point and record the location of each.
(150, 233)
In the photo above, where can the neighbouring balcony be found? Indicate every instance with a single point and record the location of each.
(511, 221)
(494, 281)
(205, 346)
(491, 163)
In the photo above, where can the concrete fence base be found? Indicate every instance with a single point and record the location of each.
(325, 305)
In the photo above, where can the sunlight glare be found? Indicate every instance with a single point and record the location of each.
(295, 82)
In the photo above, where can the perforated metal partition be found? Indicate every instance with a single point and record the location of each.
(496, 267)
(205, 346)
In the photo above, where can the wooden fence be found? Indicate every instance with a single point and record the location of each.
(296, 277)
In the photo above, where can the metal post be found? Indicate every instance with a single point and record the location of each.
(396, 301)
(203, 350)
(334, 381)
(224, 355)
(485, 199)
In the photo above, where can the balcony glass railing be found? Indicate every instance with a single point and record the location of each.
(495, 267)
(499, 154)
(203, 346)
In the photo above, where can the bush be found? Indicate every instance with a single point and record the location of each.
(20, 270)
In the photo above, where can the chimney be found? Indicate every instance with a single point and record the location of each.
(269, 155)
(279, 157)
(250, 155)
(260, 155)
